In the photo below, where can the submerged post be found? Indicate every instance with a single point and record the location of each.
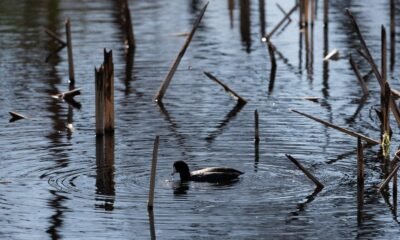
(70, 55)
(153, 173)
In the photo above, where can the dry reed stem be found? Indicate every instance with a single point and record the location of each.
(240, 100)
(283, 11)
(328, 124)
(55, 37)
(163, 88)
(269, 35)
(371, 61)
(306, 172)
(384, 184)
(153, 173)
(16, 116)
(70, 55)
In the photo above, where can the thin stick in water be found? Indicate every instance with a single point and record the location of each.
(153, 173)
(269, 35)
(240, 100)
(16, 116)
(55, 37)
(384, 184)
(70, 55)
(283, 11)
(306, 172)
(163, 88)
(344, 130)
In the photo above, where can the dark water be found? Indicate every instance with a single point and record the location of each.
(53, 187)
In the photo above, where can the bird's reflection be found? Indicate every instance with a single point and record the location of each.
(180, 187)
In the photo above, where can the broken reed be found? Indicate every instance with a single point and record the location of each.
(69, 48)
(104, 95)
(164, 85)
(306, 172)
(153, 173)
(269, 35)
(366, 53)
(344, 130)
(283, 11)
(240, 100)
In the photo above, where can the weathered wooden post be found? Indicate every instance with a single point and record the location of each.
(104, 81)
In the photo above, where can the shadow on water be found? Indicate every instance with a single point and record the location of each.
(302, 206)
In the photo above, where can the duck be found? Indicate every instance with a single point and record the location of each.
(210, 174)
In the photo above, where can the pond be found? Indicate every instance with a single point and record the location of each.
(52, 185)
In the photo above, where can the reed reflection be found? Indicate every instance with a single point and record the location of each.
(245, 24)
(105, 185)
(231, 7)
(56, 220)
(261, 8)
(220, 128)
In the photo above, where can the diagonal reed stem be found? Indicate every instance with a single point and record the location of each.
(344, 130)
(306, 172)
(163, 88)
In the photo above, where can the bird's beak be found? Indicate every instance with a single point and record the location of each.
(173, 172)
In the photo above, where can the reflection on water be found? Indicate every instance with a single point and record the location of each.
(58, 180)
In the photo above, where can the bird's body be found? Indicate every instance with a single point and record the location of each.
(211, 174)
